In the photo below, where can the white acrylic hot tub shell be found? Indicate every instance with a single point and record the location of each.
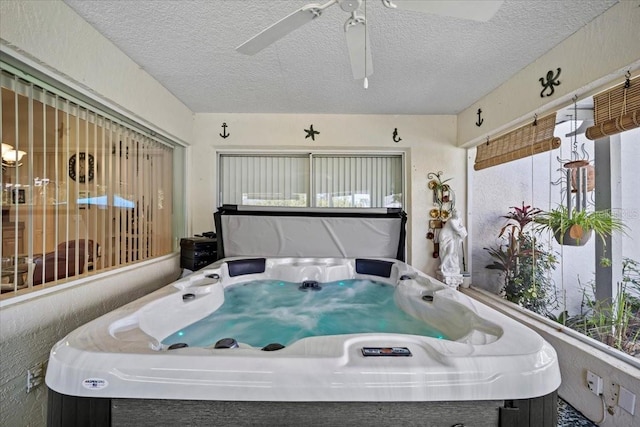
(119, 355)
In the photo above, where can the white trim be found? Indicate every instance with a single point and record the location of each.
(31, 294)
(152, 129)
(321, 151)
(469, 217)
(311, 153)
(560, 328)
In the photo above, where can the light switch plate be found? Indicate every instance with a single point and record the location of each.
(627, 400)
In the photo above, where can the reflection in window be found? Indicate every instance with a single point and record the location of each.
(89, 192)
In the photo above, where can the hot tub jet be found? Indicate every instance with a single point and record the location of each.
(310, 285)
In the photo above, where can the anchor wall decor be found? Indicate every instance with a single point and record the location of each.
(480, 119)
(224, 133)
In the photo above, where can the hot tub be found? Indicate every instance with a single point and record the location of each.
(480, 371)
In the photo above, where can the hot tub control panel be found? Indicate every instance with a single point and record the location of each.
(385, 351)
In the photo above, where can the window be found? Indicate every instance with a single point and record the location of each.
(312, 180)
(82, 191)
(585, 284)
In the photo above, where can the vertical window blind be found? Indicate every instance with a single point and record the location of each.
(357, 181)
(311, 180)
(265, 180)
(88, 193)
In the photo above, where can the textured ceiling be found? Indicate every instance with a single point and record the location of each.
(423, 63)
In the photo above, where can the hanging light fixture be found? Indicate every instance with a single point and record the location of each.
(11, 157)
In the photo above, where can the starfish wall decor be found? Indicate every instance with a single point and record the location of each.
(311, 133)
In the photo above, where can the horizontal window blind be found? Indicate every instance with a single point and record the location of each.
(533, 138)
(616, 110)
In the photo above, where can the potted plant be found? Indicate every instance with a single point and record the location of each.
(524, 262)
(574, 228)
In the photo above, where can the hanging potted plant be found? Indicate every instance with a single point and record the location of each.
(576, 227)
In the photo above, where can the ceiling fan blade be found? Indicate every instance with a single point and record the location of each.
(476, 10)
(280, 29)
(359, 48)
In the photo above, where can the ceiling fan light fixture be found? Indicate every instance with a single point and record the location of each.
(356, 26)
(350, 5)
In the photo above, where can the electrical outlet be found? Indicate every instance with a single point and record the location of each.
(35, 375)
(594, 383)
(627, 400)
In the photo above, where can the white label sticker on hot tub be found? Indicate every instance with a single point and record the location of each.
(94, 383)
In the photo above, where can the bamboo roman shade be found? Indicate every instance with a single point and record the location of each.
(534, 138)
(616, 110)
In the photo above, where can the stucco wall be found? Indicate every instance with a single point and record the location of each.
(53, 35)
(427, 140)
(597, 54)
(29, 329)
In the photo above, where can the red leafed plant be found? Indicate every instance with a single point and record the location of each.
(524, 262)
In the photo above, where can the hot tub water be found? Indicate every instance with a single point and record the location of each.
(261, 312)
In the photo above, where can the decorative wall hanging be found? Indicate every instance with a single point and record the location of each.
(18, 196)
(224, 133)
(616, 110)
(311, 133)
(480, 119)
(396, 138)
(82, 167)
(446, 231)
(551, 81)
(443, 202)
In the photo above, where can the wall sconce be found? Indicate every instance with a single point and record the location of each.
(11, 157)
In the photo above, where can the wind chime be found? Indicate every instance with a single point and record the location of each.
(580, 174)
(444, 203)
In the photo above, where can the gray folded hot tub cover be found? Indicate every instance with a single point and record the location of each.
(287, 232)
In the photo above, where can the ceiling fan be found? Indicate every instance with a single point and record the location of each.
(355, 27)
